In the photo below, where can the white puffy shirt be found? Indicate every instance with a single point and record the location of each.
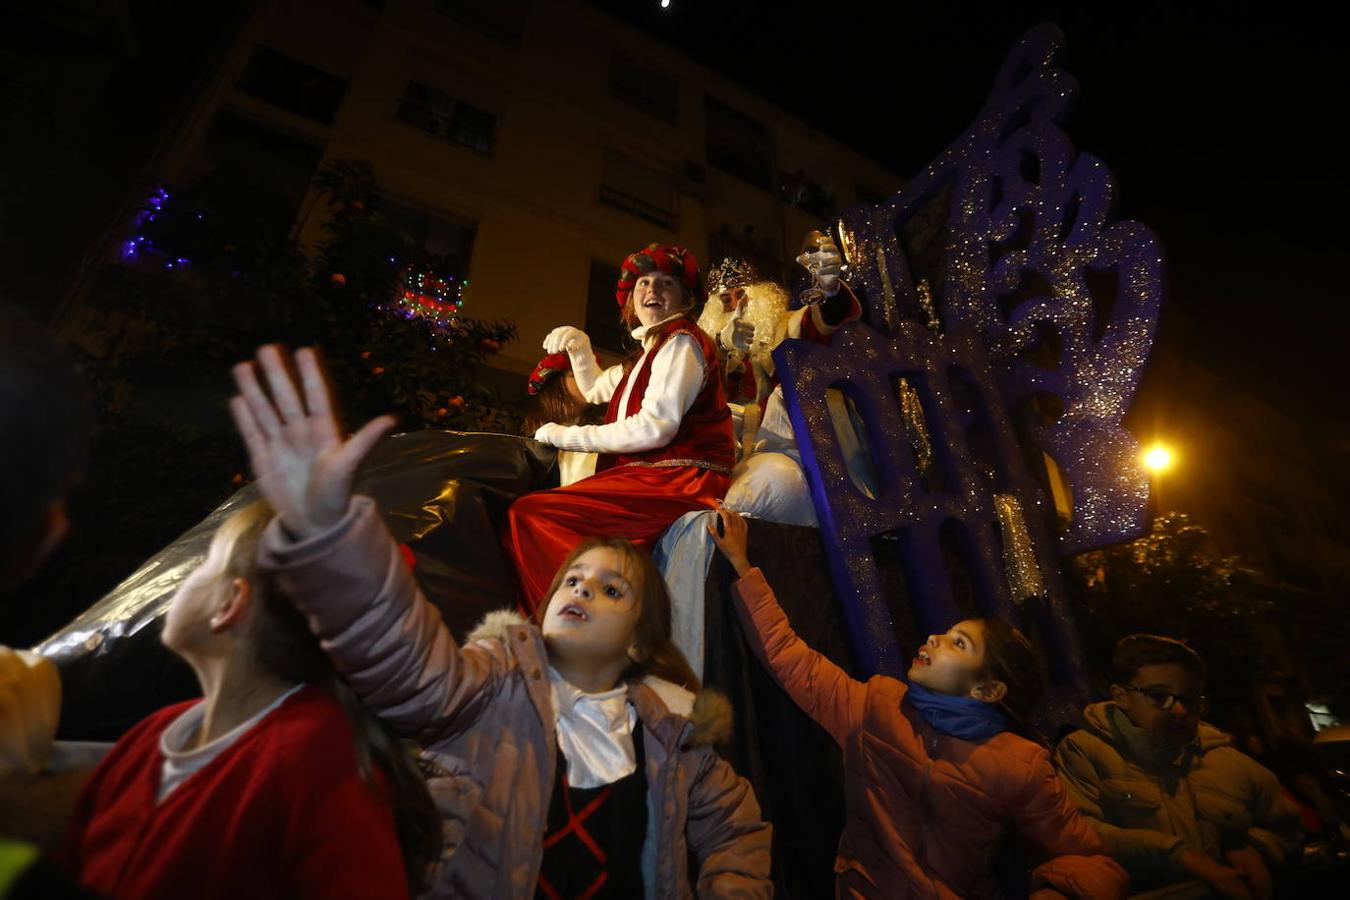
(677, 376)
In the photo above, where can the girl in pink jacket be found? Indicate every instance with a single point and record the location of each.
(933, 776)
(566, 754)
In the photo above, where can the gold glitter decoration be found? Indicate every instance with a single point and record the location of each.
(1019, 557)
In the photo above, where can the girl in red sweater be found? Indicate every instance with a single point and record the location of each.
(934, 776)
(666, 447)
(277, 784)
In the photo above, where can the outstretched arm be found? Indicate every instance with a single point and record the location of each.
(595, 384)
(823, 690)
(303, 464)
(338, 562)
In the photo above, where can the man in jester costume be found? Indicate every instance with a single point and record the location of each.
(666, 445)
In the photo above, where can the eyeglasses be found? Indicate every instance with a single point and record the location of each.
(1166, 699)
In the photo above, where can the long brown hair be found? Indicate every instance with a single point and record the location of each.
(285, 647)
(554, 403)
(1010, 657)
(657, 653)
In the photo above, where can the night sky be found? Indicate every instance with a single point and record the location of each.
(1218, 124)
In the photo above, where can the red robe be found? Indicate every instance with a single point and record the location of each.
(280, 813)
(631, 495)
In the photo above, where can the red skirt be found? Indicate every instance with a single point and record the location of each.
(633, 502)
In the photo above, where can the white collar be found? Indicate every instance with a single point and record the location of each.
(642, 331)
(595, 732)
(571, 700)
(183, 728)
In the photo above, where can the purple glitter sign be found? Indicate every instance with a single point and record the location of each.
(1043, 309)
(975, 459)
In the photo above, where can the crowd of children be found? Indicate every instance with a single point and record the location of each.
(348, 745)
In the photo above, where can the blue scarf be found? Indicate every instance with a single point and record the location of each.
(960, 717)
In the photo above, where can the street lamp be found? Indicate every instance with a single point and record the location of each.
(1158, 458)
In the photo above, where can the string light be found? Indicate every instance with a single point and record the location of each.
(131, 250)
(428, 296)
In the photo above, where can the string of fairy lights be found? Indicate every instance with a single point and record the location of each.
(422, 292)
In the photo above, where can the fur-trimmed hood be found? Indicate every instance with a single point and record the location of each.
(708, 711)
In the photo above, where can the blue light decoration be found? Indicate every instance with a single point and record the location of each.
(132, 248)
(996, 287)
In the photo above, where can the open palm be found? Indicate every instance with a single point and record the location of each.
(302, 461)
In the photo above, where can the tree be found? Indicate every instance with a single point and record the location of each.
(215, 270)
(1169, 582)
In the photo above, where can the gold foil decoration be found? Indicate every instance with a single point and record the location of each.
(848, 244)
(916, 428)
(1019, 560)
(926, 304)
(887, 292)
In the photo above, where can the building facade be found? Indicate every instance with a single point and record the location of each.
(533, 143)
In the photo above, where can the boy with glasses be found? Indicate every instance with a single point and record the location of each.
(1170, 795)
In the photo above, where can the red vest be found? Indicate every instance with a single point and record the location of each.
(705, 439)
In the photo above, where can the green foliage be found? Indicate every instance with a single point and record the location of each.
(158, 344)
(1168, 582)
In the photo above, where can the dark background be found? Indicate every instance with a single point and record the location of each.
(1219, 121)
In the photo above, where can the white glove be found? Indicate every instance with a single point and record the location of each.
(577, 346)
(549, 432)
(737, 335)
(826, 264)
(566, 339)
(830, 265)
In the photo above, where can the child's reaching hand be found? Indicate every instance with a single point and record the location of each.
(303, 464)
(729, 534)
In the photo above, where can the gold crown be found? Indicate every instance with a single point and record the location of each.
(731, 273)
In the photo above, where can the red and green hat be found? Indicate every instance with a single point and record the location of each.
(549, 366)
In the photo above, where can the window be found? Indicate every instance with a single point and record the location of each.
(651, 91)
(447, 117)
(804, 192)
(449, 239)
(738, 145)
(765, 253)
(603, 325)
(639, 190)
(292, 85)
(276, 160)
(501, 20)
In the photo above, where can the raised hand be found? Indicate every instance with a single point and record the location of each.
(729, 534)
(566, 339)
(302, 461)
(738, 335)
(577, 345)
(829, 267)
